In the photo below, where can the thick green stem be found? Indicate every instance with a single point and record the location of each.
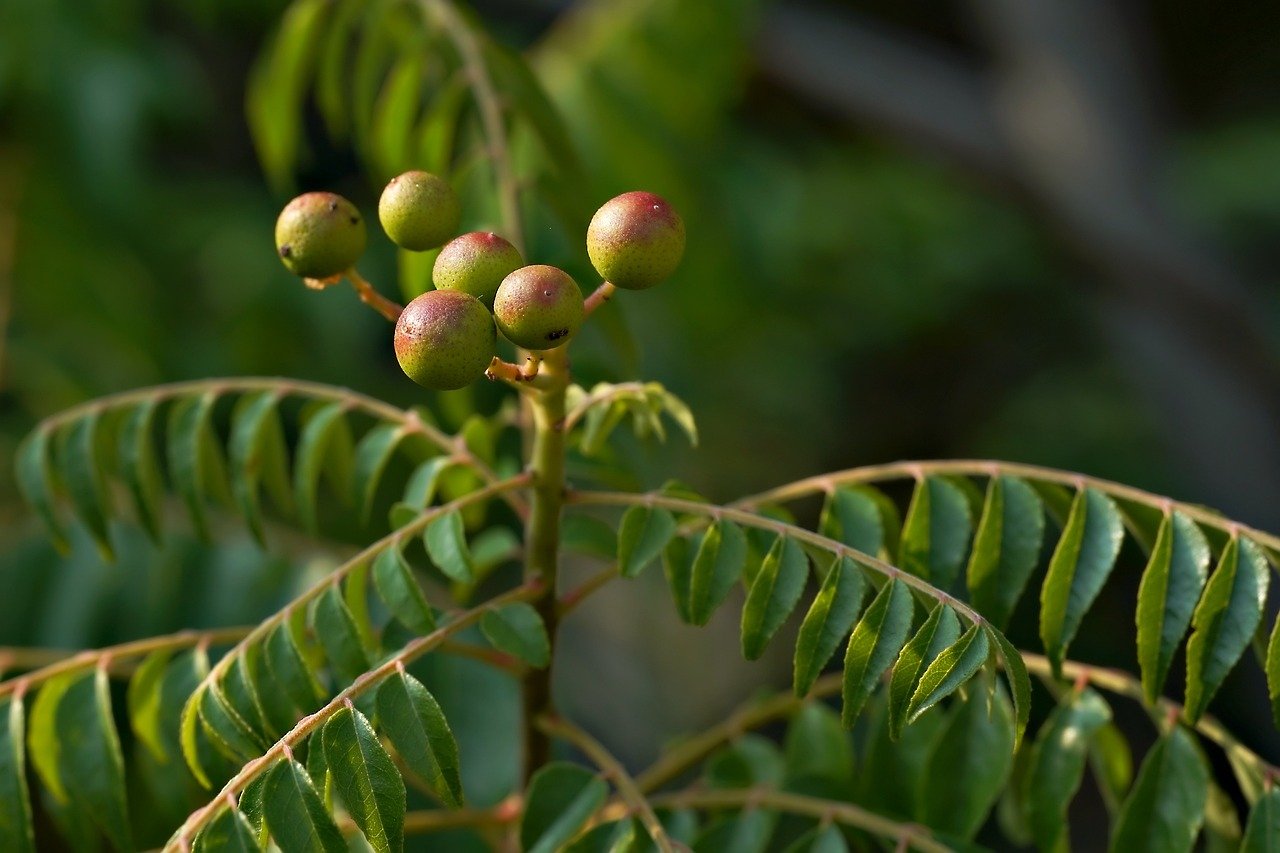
(542, 537)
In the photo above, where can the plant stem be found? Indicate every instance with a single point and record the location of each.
(598, 297)
(370, 296)
(542, 538)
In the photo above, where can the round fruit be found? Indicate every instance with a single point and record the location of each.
(419, 211)
(445, 340)
(476, 263)
(320, 235)
(635, 240)
(538, 307)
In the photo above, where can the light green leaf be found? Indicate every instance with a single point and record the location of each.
(336, 629)
(1112, 763)
(324, 446)
(935, 534)
(412, 720)
(1057, 762)
(399, 590)
(257, 455)
(1080, 565)
(295, 813)
(1222, 832)
(195, 459)
(420, 490)
(34, 475)
(938, 632)
(371, 457)
(951, 669)
(139, 467)
(642, 536)
(1262, 833)
(89, 760)
(874, 644)
(773, 595)
(1273, 672)
(81, 465)
(832, 613)
(446, 541)
(229, 832)
(366, 779)
(16, 833)
(144, 702)
(716, 568)
(1005, 548)
(43, 738)
(517, 629)
(562, 797)
(1170, 587)
(1224, 621)
(1165, 809)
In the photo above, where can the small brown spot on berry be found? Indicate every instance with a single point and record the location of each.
(333, 205)
(286, 250)
(557, 334)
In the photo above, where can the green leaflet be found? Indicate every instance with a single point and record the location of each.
(1262, 833)
(325, 445)
(751, 760)
(890, 770)
(852, 516)
(716, 568)
(336, 629)
(951, 669)
(366, 779)
(195, 458)
(820, 839)
(619, 836)
(412, 720)
(1224, 621)
(746, 831)
(1057, 762)
(80, 465)
(935, 534)
(874, 644)
(446, 541)
(1080, 565)
(1015, 672)
(296, 815)
(399, 590)
(1165, 808)
(1006, 547)
(773, 595)
(677, 566)
(1273, 671)
(586, 534)
(517, 629)
(229, 832)
(1171, 584)
(817, 747)
(938, 632)
(257, 455)
(16, 832)
(242, 695)
(642, 536)
(977, 747)
(226, 728)
(43, 739)
(1222, 832)
(34, 475)
(1112, 763)
(833, 611)
(89, 762)
(278, 713)
(560, 800)
(289, 670)
(144, 702)
(371, 457)
(139, 467)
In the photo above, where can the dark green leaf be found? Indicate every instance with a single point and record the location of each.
(818, 747)
(1262, 833)
(420, 490)
(820, 839)
(336, 628)
(1112, 762)
(642, 536)
(746, 831)
(446, 541)
(195, 460)
(81, 465)
(716, 568)
(951, 669)
(1057, 763)
(365, 778)
(1170, 587)
(1015, 672)
(585, 534)
(372, 455)
(277, 711)
(1083, 559)
(888, 777)
(416, 727)
(399, 590)
(89, 760)
(773, 595)
(1165, 809)
(257, 455)
(750, 761)
(677, 566)
(874, 644)
(226, 728)
(833, 611)
(242, 695)
(517, 629)
(938, 632)
(1005, 548)
(16, 832)
(562, 797)
(1224, 621)
(935, 534)
(295, 813)
(34, 475)
(229, 832)
(139, 466)
(290, 671)
(325, 445)
(852, 516)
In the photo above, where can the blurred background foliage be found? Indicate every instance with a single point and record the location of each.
(1041, 230)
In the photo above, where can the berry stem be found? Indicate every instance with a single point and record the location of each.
(375, 300)
(598, 297)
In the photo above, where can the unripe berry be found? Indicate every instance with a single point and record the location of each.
(445, 340)
(635, 240)
(538, 307)
(476, 263)
(320, 235)
(419, 211)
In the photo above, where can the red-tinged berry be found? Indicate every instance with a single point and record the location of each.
(320, 235)
(476, 263)
(538, 307)
(445, 339)
(636, 240)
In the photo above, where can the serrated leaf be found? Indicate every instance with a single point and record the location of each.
(642, 537)
(1167, 596)
(1015, 672)
(874, 644)
(774, 592)
(336, 629)
(949, 671)
(517, 629)
(560, 800)
(16, 832)
(366, 779)
(278, 713)
(242, 695)
(716, 569)
(226, 728)
(33, 471)
(832, 613)
(144, 702)
(81, 466)
(1262, 833)
(1057, 762)
(229, 832)
(976, 746)
(89, 760)
(446, 541)
(935, 534)
(1165, 809)
(257, 455)
(1224, 621)
(1006, 547)
(938, 632)
(290, 671)
(139, 466)
(324, 446)
(195, 460)
(295, 813)
(1080, 565)
(372, 455)
(412, 720)
(399, 590)
(852, 516)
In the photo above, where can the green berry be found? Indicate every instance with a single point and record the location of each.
(476, 263)
(320, 235)
(445, 340)
(419, 211)
(538, 307)
(636, 240)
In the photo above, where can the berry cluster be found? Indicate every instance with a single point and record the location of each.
(447, 338)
